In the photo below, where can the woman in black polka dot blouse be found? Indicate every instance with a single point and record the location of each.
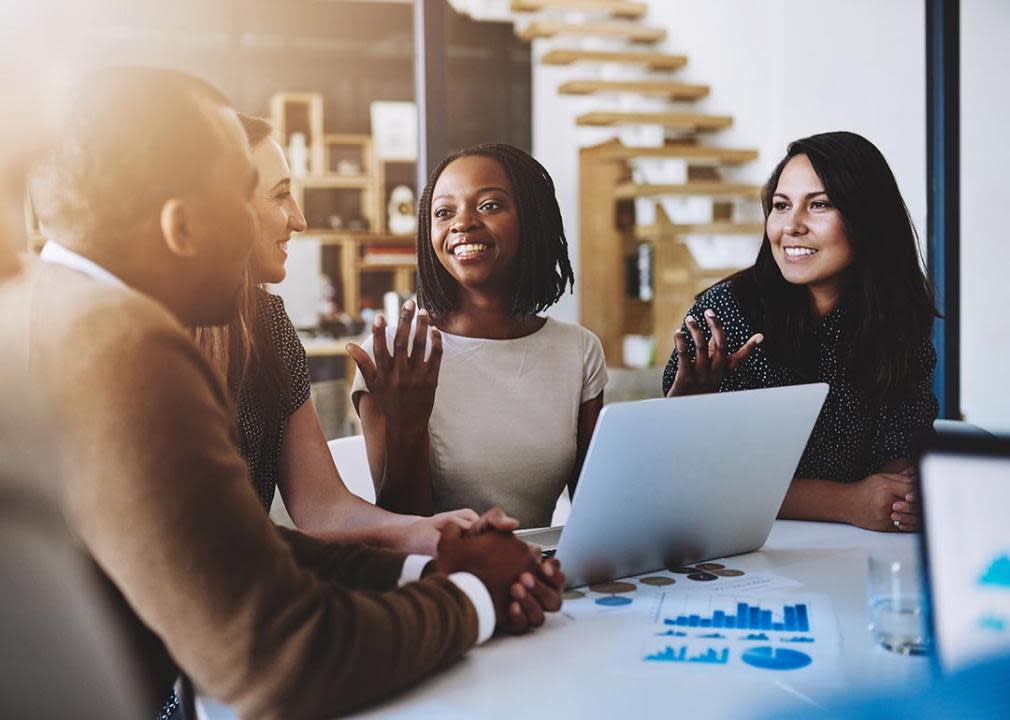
(836, 295)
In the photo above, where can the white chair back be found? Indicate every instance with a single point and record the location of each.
(352, 464)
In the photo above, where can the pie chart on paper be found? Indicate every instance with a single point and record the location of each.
(771, 658)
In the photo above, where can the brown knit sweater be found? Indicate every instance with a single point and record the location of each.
(274, 623)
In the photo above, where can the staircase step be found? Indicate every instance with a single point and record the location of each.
(693, 122)
(658, 232)
(652, 60)
(696, 154)
(662, 88)
(616, 8)
(719, 188)
(626, 30)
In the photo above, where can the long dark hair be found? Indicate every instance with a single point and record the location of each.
(544, 268)
(889, 306)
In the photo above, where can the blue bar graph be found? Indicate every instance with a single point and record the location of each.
(749, 617)
(710, 656)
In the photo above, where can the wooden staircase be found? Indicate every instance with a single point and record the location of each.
(614, 8)
(616, 180)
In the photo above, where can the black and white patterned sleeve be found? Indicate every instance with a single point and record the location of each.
(292, 353)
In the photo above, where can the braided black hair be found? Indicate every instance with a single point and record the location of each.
(544, 268)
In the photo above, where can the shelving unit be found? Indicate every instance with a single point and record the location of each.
(343, 197)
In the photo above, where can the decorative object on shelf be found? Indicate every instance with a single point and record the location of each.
(328, 308)
(293, 112)
(639, 350)
(348, 167)
(298, 155)
(402, 211)
(394, 130)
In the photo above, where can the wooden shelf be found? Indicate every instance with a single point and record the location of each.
(696, 154)
(662, 88)
(616, 8)
(353, 182)
(652, 60)
(629, 190)
(341, 237)
(658, 232)
(384, 265)
(633, 32)
(692, 122)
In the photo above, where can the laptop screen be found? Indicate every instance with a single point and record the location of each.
(966, 514)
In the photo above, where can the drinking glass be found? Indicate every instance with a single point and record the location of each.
(898, 611)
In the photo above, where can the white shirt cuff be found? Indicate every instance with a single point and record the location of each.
(413, 566)
(474, 589)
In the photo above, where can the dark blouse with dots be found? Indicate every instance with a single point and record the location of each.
(262, 431)
(855, 434)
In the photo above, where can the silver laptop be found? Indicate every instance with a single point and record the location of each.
(673, 481)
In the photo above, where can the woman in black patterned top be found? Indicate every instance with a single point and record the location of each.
(836, 295)
(266, 369)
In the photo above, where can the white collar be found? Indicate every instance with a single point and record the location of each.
(53, 252)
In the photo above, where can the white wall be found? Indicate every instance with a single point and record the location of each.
(789, 68)
(985, 213)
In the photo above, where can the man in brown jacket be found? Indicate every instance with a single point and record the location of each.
(146, 206)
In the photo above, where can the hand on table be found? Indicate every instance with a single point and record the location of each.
(532, 592)
(886, 502)
(522, 588)
(403, 383)
(711, 364)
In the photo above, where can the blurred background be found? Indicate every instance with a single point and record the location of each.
(658, 119)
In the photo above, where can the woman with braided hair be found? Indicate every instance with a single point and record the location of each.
(518, 392)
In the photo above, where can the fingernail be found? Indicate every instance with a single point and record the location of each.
(910, 497)
(690, 319)
(347, 348)
(895, 507)
(760, 339)
(409, 305)
(379, 321)
(548, 569)
(528, 581)
(710, 313)
(521, 594)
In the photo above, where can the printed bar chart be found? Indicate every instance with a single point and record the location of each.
(749, 617)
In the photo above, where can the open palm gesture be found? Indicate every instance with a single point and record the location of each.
(403, 383)
(711, 362)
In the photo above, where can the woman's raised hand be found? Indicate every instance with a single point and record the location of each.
(711, 364)
(403, 383)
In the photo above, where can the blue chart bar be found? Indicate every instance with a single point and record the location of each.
(802, 623)
(750, 617)
(790, 615)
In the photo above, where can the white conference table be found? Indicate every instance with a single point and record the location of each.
(565, 668)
